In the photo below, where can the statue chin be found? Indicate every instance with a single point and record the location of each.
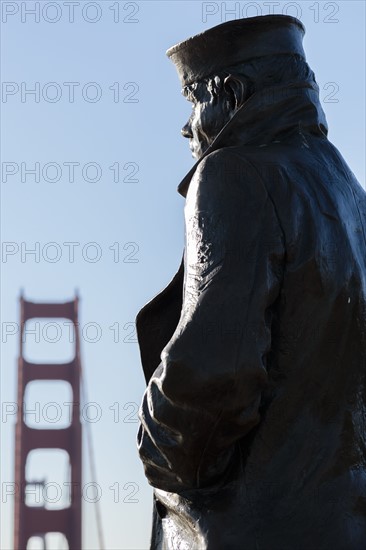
(198, 150)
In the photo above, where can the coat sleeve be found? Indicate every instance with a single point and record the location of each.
(206, 392)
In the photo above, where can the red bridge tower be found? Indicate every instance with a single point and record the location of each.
(37, 521)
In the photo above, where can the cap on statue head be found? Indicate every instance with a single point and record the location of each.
(235, 42)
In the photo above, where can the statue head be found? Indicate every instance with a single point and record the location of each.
(221, 68)
(214, 102)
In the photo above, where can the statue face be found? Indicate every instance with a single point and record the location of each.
(208, 117)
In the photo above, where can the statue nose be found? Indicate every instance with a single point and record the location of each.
(186, 131)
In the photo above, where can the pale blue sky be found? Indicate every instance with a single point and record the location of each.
(144, 138)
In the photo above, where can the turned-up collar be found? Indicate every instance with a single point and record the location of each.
(264, 116)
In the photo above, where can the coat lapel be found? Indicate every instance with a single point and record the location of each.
(157, 321)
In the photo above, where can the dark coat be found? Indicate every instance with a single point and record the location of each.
(253, 422)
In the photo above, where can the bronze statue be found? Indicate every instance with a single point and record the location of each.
(253, 421)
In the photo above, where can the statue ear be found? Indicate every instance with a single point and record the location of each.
(237, 89)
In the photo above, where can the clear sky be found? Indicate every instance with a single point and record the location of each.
(104, 127)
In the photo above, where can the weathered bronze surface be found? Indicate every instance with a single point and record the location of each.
(253, 421)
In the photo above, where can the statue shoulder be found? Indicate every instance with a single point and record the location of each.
(226, 173)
